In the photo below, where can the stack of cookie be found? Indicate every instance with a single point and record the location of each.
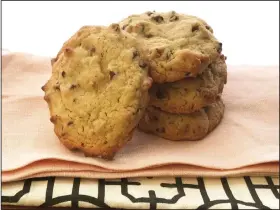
(188, 70)
(101, 89)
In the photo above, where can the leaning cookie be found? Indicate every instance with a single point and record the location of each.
(175, 45)
(98, 90)
(191, 94)
(176, 127)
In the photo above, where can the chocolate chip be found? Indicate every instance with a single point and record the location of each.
(158, 18)
(124, 26)
(70, 123)
(72, 87)
(135, 54)
(68, 51)
(53, 119)
(208, 27)
(43, 88)
(192, 106)
(142, 64)
(168, 55)
(160, 94)
(149, 35)
(115, 27)
(63, 74)
(223, 57)
(56, 87)
(112, 74)
(173, 18)
(47, 98)
(160, 130)
(92, 50)
(158, 52)
(195, 28)
(154, 118)
(82, 144)
(220, 48)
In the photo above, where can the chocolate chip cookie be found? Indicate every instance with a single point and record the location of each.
(98, 90)
(176, 46)
(193, 126)
(191, 94)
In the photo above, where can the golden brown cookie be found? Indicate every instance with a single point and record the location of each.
(191, 94)
(175, 45)
(98, 90)
(193, 126)
(215, 113)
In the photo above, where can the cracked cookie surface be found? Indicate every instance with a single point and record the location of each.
(175, 45)
(98, 90)
(176, 127)
(191, 94)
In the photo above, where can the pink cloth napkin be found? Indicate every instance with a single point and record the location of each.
(245, 143)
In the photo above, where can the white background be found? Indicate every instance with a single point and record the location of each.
(249, 30)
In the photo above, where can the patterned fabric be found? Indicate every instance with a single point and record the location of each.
(145, 193)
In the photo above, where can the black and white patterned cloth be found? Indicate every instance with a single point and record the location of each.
(145, 193)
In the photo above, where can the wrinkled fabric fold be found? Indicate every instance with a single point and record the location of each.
(245, 143)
